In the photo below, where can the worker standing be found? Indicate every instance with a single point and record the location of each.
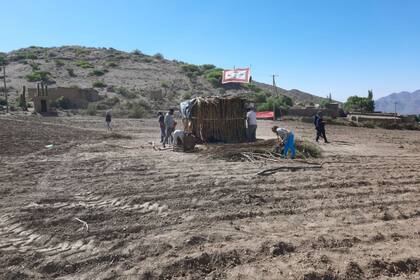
(169, 126)
(108, 119)
(251, 120)
(286, 139)
(320, 127)
(161, 119)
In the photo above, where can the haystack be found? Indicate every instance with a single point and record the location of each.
(216, 119)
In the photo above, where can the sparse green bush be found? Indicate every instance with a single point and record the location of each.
(107, 103)
(91, 109)
(58, 63)
(214, 76)
(2, 60)
(81, 51)
(111, 64)
(83, 64)
(146, 60)
(34, 65)
(258, 97)
(61, 102)
(207, 67)
(186, 95)
(71, 73)
(251, 87)
(136, 111)
(37, 76)
(99, 84)
(97, 72)
(137, 52)
(275, 102)
(158, 56)
(125, 92)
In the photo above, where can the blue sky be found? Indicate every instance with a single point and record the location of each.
(340, 46)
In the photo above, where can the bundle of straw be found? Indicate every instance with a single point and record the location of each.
(219, 119)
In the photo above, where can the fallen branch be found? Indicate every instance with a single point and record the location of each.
(286, 168)
(84, 223)
(118, 146)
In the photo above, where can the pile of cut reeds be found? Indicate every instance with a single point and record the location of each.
(259, 151)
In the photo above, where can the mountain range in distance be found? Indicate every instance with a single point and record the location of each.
(407, 103)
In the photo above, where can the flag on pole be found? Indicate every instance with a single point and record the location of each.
(239, 75)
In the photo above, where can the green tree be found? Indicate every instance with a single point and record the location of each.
(363, 104)
(370, 94)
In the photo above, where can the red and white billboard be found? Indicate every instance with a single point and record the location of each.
(239, 75)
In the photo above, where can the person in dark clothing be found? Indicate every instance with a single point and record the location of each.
(161, 119)
(108, 117)
(320, 127)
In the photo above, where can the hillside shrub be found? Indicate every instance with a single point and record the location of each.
(125, 92)
(58, 63)
(97, 73)
(275, 102)
(111, 64)
(34, 65)
(186, 95)
(158, 56)
(251, 87)
(207, 67)
(99, 84)
(214, 76)
(136, 110)
(37, 76)
(91, 109)
(146, 60)
(3, 60)
(71, 73)
(137, 52)
(83, 64)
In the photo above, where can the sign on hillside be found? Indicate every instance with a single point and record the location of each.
(240, 75)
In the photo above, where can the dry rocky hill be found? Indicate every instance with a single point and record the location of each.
(124, 79)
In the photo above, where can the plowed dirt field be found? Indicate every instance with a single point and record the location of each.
(164, 215)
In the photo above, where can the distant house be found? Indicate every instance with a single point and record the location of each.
(377, 118)
(43, 97)
(332, 110)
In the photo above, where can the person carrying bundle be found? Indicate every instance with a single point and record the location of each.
(286, 139)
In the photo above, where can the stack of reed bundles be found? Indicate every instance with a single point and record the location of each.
(219, 119)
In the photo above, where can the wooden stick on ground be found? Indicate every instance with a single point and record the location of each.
(84, 223)
(286, 168)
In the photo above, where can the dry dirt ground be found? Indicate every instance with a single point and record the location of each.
(166, 215)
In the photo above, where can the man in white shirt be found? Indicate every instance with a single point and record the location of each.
(178, 137)
(251, 120)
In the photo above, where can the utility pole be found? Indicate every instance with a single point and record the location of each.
(395, 112)
(275, 94)
(5, 88)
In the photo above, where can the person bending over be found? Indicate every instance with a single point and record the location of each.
(286, 139)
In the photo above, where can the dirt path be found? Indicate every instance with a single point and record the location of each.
(162, 215)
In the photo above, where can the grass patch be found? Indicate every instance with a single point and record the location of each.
(158, 56)
(97, 73)
(83, 64)
(125, 92)
(37, 76)
(59, 63)
(99, 84)
(71, 73)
